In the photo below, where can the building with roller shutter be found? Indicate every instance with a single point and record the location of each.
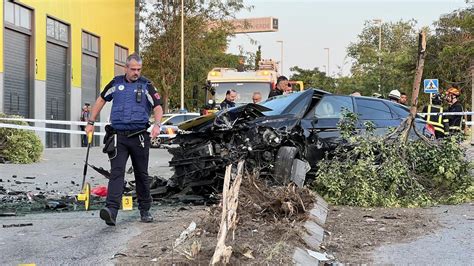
(57, 55)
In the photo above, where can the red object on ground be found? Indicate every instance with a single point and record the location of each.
(100, 191)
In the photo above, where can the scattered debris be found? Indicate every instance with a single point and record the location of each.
(17, 225)
(30, 177)
(185, 234)
(100, 191)
(119, 254)
(54, 205)
(18, 182)
(319, 256)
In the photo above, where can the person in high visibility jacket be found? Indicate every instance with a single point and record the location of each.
(435, 120)
(455, 121)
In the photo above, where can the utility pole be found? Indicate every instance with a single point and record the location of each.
(472, 101)
(182, 55)
(281, 57)
(137, 26)
(379, 21)
(328, 73)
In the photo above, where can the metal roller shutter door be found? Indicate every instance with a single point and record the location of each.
(89, 79)
(89, 88)
(17, 73)
(56, 82)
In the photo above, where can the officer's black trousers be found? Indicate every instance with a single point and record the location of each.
(139, 155)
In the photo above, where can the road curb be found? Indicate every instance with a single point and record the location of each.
(314, 233)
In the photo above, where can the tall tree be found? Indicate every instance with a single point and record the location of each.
(313, 78)
(204, 45)
(397, 57)
(258, 56)
(451, 50)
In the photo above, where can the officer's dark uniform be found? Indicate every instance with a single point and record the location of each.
(275, 92)
(455, 121)
(435, 120)
(131, 108)
(225, 104)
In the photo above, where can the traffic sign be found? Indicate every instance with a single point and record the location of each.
(431, 85)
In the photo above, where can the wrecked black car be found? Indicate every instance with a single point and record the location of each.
(283, 137)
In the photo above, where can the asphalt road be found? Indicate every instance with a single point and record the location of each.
(450, 245)
(60, 168)
(70, 237)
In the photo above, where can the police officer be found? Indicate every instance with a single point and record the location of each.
(229, 100)
(282, 84)
(134, 97)
(455, 121)
(435, 120)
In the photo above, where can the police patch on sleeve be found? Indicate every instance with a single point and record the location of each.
(157, 96)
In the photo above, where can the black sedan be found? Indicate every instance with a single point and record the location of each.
(277, 138)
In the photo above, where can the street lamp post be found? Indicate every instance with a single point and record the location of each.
(379, 21)
(182, 55)
(328, 73)
(281, 56)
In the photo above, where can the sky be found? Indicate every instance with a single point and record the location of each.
(306, 27)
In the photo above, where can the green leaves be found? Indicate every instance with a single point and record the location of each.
(373, 171)
(19, 146)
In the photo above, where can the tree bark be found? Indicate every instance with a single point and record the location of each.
(416, 85)
(230, 202)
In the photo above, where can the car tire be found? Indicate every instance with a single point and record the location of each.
(155, 142)
(283, 164)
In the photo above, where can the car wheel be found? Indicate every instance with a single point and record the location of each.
(155, 142)
(283, 164)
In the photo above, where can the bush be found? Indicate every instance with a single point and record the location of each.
(370, 170)
(18, 145)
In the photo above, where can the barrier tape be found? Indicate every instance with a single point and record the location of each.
(448, 113)
(58, 122)
(65, 131)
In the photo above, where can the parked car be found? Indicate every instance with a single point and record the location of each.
(169, 126)
(274, 136)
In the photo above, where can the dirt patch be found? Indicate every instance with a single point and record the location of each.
(355, 231)
(269, 228)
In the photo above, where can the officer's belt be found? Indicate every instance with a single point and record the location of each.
(130, 133)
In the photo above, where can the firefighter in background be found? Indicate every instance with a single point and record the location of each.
(454, 121)
(394, 96)
(435, 120)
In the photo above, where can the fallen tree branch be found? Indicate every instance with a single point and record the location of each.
(230, 202)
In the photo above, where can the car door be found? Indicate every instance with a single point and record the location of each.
(322, 123)
(376, 111)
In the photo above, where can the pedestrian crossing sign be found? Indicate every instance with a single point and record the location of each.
(430, 85)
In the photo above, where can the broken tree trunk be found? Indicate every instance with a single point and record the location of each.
(416, 85)
(230, 202)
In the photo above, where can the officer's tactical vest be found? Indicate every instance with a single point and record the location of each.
(131, 108)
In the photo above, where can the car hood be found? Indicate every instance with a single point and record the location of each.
(225, 119)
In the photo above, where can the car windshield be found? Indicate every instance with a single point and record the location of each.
(279, 103)
(244, 90)
(165, 117)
